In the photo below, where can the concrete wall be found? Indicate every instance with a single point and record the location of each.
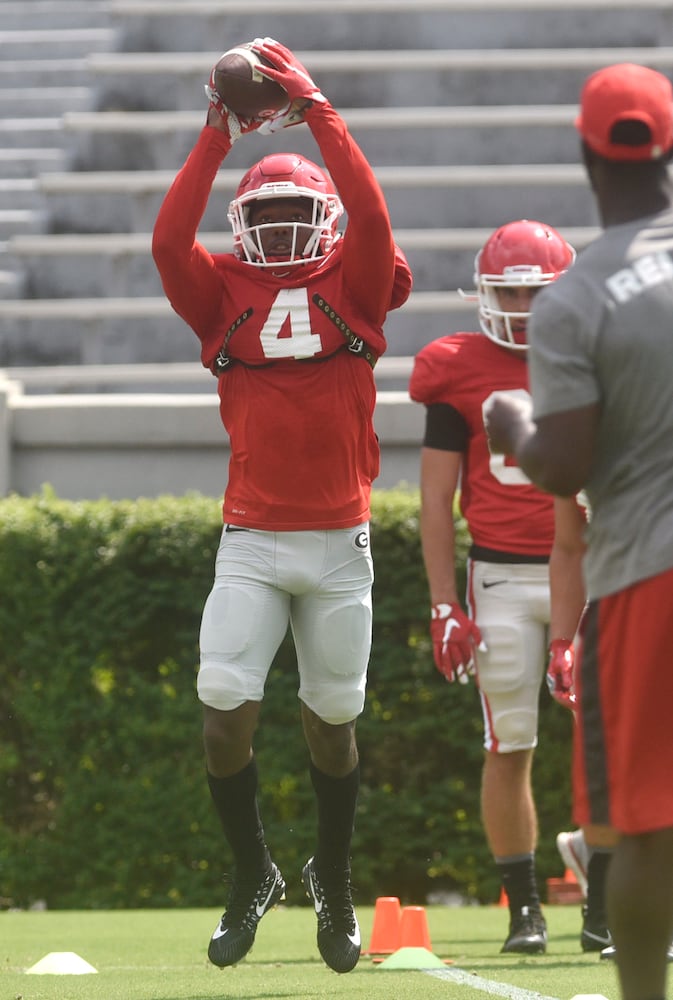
(126, 445)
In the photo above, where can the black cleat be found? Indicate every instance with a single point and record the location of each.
(527, 932)
(249, 899)
(595, 934)
(338, 930)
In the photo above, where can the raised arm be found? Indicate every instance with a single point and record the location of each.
(187, 270)
(369, 249)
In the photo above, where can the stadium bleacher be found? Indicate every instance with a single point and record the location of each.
(464, 108)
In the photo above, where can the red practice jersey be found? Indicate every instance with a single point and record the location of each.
(297, 405)
(503, 510)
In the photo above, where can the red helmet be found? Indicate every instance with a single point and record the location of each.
(285, 175)
(519, 254)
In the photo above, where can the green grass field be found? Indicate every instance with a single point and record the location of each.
(161, 955)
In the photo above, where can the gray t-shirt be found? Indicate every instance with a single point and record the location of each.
(604, 333)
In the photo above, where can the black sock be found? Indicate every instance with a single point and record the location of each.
(337, 801)
(518, 880)
(597, 873)
(235, 800)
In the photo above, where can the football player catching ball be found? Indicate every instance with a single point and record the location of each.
(291, 323)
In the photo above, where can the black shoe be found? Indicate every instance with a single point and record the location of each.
(527, 932)
(595, 934)
(338, 930)
(249, 899)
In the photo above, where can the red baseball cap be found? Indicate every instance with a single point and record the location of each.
(626, 92)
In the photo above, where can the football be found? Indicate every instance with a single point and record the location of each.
(243, 88)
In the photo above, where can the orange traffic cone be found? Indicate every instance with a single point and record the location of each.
(386, 929)
(414, 931)
(570, 876)
(503, 901)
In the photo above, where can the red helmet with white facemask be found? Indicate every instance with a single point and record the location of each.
(522, 254)
(285, 175)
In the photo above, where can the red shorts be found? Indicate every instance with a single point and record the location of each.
(623, 749)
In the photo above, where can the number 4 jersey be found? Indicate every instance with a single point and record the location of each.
(296, 402)
(503, 510)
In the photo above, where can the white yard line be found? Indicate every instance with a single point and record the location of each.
(485, 985)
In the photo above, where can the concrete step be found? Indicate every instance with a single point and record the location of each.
(388, 136)
(32, 132)
(23, 163)
(372, 78)
(12, 284)
(20, 221)
(384, 24)
(24, 102)
(116, 265)
(44, 73)
(55, 43)
(446, 196)
(54, 14)
(20, 192)
(124, 330)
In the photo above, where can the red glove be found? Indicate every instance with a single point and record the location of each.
(454, 641)
(287, 71)
(560, 672)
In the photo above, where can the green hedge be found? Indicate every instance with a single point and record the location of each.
(103, 800)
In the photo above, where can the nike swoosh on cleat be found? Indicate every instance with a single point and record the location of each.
(261, 910)
(600, 938)
(317, 903)
(219, 932)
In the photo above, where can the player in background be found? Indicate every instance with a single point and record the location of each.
(602, 420)
(511, 524)
(291, 323)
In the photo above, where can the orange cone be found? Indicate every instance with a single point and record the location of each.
(503, 901)
(414, 931)
(570, 876)
(386, 930)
